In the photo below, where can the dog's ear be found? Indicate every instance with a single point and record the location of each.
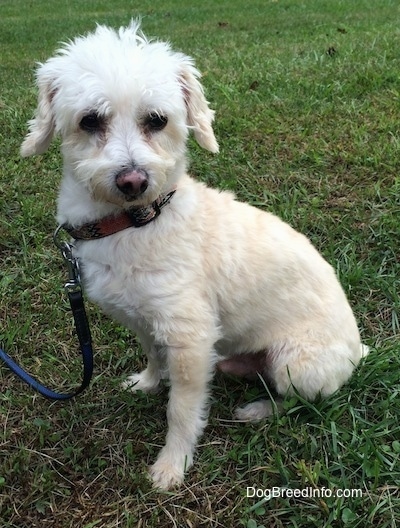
(200, 116)
(41, 128)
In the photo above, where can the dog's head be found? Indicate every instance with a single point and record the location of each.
(123, 107)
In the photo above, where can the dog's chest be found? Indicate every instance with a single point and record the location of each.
(108, 281)
(112, 290)
(125, 284)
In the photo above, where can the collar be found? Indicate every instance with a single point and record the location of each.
(134, 217)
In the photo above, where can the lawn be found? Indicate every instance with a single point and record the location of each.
(307, 106)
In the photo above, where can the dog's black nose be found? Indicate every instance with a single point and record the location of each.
(132, 182)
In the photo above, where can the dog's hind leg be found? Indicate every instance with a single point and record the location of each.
(258, 410)
(314, 369)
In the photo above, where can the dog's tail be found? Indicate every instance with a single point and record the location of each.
(364, 349)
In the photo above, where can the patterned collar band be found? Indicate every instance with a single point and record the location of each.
(115, 223)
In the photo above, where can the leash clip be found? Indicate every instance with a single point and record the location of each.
(74, 277)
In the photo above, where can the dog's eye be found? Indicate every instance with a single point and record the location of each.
(90, 123)
(155, 122)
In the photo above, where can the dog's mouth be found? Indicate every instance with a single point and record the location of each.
(132, 183)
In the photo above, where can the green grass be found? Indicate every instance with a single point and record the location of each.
(307, 101)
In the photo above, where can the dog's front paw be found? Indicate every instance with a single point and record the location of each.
(165, 476)
(169, 469)
(141, 382)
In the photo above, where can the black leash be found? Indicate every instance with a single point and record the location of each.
(74, 291)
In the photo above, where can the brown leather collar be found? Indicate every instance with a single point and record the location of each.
(114, 223)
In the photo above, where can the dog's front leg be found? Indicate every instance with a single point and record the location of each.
(149, 379)
(190, 369)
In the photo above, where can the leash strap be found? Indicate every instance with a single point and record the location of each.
(75, 296)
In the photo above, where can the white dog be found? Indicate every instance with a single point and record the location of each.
(201, 278)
